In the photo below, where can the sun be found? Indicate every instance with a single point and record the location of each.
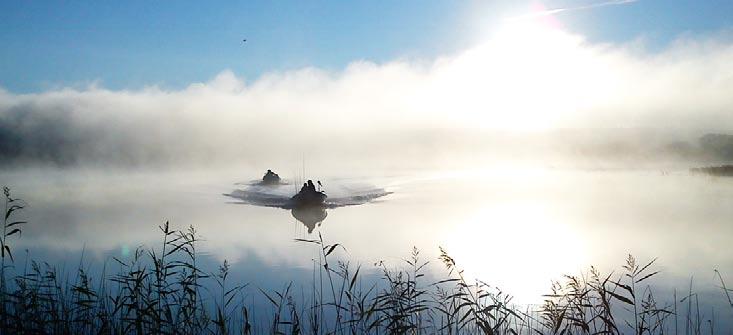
(524, 75)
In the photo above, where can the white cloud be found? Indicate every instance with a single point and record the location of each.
(525, 77)
(547, 12)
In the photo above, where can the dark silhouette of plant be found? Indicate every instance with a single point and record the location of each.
(164, 291)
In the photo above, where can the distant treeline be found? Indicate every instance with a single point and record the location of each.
(722, 170)
(710, 147)
(31, 135)
(718, 145)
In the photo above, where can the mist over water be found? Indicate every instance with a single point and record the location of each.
(516, 228)
(520, 179)
(494, 100)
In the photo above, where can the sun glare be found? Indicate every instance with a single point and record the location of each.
(488, 248)
(526, 75)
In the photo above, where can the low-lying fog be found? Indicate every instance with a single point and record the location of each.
(525, 159)
(523, 93)
(516, 228)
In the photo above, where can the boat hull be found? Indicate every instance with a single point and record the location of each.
(305, 200)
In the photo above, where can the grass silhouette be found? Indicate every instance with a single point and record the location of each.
(163, 290)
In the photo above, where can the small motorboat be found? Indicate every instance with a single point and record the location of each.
(270, 178)
(308, 197)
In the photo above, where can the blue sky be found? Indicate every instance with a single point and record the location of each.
(131, 44)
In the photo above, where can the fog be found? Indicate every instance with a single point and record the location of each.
(525, 94)
(524, 91)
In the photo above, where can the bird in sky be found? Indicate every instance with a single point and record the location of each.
(244, 40)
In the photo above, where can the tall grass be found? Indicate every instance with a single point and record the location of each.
(163, 290)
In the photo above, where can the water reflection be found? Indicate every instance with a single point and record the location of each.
(280, 195)
(311, 217)
(548, 222)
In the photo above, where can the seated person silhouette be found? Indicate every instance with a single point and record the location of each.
(308, 196)
(270, 178)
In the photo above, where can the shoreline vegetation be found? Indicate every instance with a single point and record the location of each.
(163, 290)
(717, 171)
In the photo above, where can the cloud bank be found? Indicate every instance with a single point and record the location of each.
(523, 79)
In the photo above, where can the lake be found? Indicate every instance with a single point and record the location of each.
(515, 228)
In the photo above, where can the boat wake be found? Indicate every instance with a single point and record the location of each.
(339, 195)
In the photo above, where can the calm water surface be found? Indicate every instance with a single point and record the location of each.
(515, 229)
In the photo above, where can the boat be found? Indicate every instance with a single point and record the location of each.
(308, 197)
(270, 178)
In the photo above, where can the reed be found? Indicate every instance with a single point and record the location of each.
(163, 290)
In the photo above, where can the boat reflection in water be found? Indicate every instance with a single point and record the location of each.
(311, 217)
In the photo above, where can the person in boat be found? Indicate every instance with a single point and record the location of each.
(308, 196)
(271, 177)
(308, 188)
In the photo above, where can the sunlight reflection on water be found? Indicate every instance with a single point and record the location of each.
(516, 229)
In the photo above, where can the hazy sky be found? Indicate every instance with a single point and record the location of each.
(174, 81)
(132, 44)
